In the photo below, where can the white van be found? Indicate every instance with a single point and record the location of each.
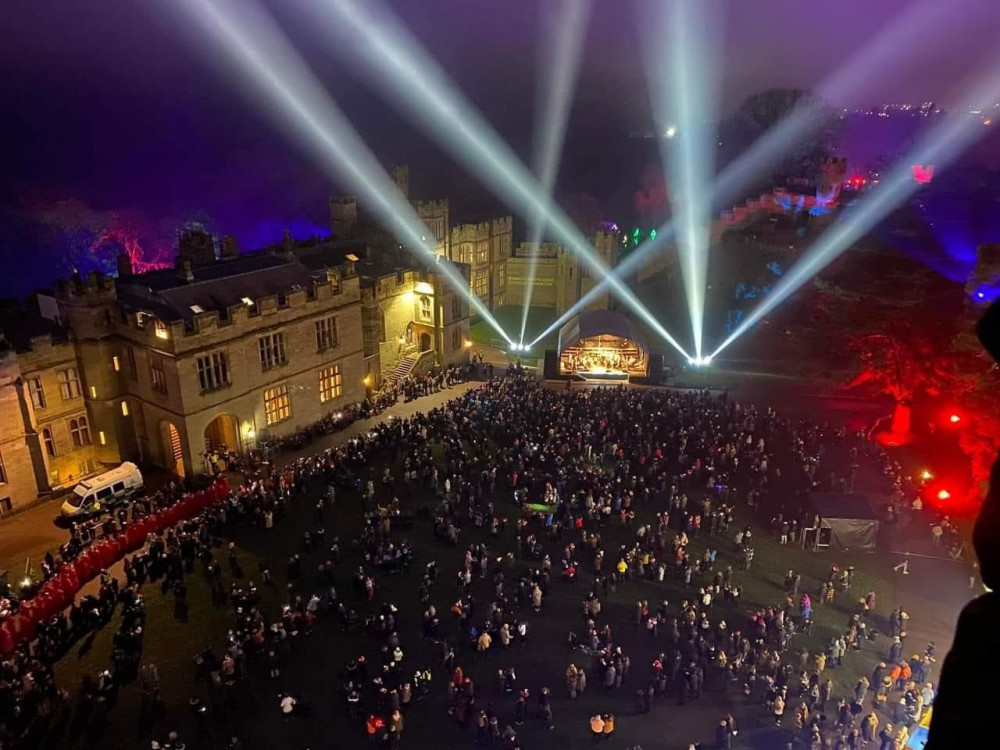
(103, 492)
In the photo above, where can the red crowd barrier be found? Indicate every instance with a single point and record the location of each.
(59, 591)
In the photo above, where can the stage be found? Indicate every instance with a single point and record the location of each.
(602, 346)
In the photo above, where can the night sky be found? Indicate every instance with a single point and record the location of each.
(112, 113)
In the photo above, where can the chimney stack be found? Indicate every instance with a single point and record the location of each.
(124, 266)
(228, 247)
(184, 270)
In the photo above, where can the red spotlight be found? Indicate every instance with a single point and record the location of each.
(944, 495)
(954, 419)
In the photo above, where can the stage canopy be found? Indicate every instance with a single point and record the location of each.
(852, 522)
(602, 345)
(596, 323)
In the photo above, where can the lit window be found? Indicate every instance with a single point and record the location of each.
(331, 384)
(161, 329)
(124, 408)
(93, 391)
(481, 284)
(277, 405)
(248, 302)
(100, 436)
(197, 309)
(116, 363)
(425, 308)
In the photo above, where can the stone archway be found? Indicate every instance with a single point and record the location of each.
(172, 448)
(223, 433)
(425, 341)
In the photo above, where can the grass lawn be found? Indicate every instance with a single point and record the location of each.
(509, 318)
(311, 668)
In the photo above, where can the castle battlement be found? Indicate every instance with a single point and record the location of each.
(503, 225)
(432, 206)
(94, 288)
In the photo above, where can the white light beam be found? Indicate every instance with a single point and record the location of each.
(906, 35)
(681, 48)
(410, 78)
(563, 50)
(941, 145)
(270, 67)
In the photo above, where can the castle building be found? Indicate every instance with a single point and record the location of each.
(561, 277)
(166, 366)
(485, 247)
(47, 439)
(412, 317)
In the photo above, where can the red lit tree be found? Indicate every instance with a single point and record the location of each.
(895, 320)
(898, 364)
(976, 383)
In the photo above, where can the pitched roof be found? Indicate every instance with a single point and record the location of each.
(216, 286)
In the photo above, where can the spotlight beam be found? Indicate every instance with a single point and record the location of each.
(683, 88)
(554, 99)
(412, 80)
(940, 146)
(269, 66)
(906, 34)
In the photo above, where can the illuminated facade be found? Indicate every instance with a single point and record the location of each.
(411, 316)
(485, 247)
(213, 354)
(47, 436)
(413, 319)
(561, 277)
(165, 366)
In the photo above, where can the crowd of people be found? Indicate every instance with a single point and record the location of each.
(664, 474)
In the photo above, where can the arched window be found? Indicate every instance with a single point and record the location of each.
(425, 307)
(79, 431)
(50, 444)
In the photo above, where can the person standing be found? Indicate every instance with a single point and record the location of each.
(483, 644)
(597, 727)
(395, 728)
(869, 726)
(609, 726)
(545, 708)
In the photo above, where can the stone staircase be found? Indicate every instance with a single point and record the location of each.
(403, 368)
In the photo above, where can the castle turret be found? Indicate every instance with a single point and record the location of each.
(401, 176)
(197, 246)
(343, 215)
